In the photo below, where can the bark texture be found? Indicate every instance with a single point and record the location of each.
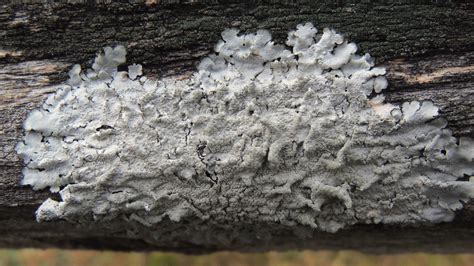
(428, 50)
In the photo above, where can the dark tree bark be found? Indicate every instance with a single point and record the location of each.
(428, 49)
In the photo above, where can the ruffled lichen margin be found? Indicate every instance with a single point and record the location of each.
(296, 134)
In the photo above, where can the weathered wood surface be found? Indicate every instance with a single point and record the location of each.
(428, 49)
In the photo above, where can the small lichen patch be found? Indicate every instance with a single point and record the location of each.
(260, 132)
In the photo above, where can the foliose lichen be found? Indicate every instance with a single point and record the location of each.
(262, 132)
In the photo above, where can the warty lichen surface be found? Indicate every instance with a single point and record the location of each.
(262, 132)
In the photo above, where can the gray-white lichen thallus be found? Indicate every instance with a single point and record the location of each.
(260, 132)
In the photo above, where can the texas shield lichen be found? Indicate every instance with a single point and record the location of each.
(260, 132)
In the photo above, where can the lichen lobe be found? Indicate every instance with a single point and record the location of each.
(260, 132)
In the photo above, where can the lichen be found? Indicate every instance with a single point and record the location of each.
(260, 132)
